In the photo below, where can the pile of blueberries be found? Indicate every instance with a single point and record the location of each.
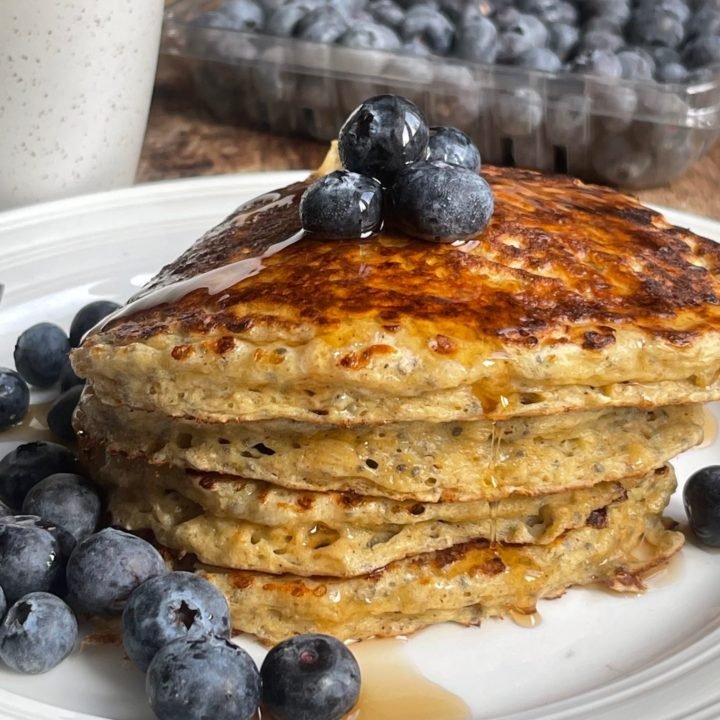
(56, 565)
(175, 625)
(423, 181)
(674, 38)
(612, 109)
(42, 360)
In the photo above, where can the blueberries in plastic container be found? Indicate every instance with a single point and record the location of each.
(637, 63)
(243, 15)
(601, 40)
(40, 354)
(701, 52)
(563, 39)
(208, 677)
(541, 60)
(14, 398)
(430, 26)
(454, 147)
(602, 63)
(283, 21)
(672, 73)
(310, 677)
(435, 201)
(386, 12)
(370, 36)
(518, 113)
(28, 464)
(342, 204)
(30, 559)
(59, 418)
(106, 567)
(701, 496)
(618, 161)
(568, 121)
(68, 500)
(651, 27)
(323, 25)
(38, 632)
(381, 136)
(171, 606)
(477, 40)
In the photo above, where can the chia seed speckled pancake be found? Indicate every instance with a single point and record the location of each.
(574, 297)
(465, 583)
(419, 461)
(250, 525)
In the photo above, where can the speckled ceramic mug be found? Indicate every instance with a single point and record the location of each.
(76, 78)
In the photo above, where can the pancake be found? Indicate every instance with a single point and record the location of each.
(466, 583)
(459, 461)
(246, 525)
(574, 297)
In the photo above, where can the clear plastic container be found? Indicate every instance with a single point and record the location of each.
(627, 133)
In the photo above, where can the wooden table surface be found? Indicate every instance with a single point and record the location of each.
(183, 140)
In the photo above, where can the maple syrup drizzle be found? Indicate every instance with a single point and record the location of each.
(32, 428)
(710, 428)
(393, 689)
(526, 619)
(221, 278)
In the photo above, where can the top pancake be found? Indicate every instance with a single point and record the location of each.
(574, 296)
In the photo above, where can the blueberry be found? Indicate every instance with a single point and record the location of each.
(618, 11)
(342, 204)
(14, 398)
(563, 39)
(310, 677)
(370, 36)
(38, 632)
(701, 496)
(68, 378)
(618, 161)
(386, 12)
(324, 25)
(477, 40)
(67, 500)
(453, 146)
(416, 48)
(167, 607)
(30, 559)
(663, 55)
(28, 464)
(429, 25)
(541, 60)
(88, 316)
(243, 15)
(350, 9)
(602, 63)
(382, 135)
(59, 418)
(676, 8)
(206, 677)
(636, 66)
(700, 53)
(656, 28)
(40, 354)
(285, 19)
(526, 33)
(704, 22)
(518, 113)
(672, 73)
(106, 567)
(601, 40)
(435, 201)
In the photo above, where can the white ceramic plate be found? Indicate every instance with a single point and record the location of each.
(595, 655)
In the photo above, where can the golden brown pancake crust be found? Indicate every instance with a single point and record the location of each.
(559, 257)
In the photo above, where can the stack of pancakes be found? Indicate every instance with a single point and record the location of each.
(365, 437)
